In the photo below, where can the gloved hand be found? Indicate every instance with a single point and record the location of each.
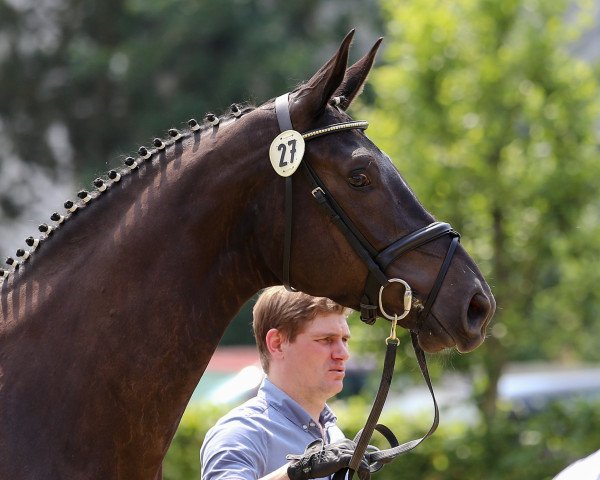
(321, 460)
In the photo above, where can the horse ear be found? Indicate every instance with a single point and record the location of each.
(355, 78)
(311, 98)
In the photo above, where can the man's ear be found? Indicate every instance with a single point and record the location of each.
(275, 340)
(310, 100)
(354, 80)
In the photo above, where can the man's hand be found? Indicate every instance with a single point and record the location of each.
(321, 460)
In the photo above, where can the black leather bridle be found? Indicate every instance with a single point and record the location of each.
(377, 262)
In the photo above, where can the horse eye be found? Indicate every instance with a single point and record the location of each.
(359, 179)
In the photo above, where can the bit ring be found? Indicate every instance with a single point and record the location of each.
(407, 300)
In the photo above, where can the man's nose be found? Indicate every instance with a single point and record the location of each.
(340, 350)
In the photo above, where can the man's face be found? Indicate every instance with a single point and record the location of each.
(316, 359)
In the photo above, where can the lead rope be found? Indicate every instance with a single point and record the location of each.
(379, 458)
(364, 436)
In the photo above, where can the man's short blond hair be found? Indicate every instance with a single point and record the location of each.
(288, 312)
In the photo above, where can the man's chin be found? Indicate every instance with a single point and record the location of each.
(336, 387)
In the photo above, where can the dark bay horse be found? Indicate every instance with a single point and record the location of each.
(107, 327)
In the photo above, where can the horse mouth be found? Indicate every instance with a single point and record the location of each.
(433, 337)
(466, 333)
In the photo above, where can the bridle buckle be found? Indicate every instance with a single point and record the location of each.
(317, 191)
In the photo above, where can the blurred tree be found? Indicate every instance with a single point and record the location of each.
(83, 82)
(494, 125)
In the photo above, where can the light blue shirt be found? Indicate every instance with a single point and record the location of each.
(253, 439)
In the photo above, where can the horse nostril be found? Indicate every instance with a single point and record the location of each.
(478, 314)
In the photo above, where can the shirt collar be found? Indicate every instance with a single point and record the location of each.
(291, 409)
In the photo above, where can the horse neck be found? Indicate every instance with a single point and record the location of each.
(182, 224)
(138, 288)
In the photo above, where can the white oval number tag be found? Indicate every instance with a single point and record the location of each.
(286, 152)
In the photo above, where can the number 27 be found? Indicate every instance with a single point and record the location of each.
(283, 148)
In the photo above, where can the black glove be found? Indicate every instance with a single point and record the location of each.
(321, 460)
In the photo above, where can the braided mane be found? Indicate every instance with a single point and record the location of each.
(103, 185)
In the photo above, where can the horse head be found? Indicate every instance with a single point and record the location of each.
(371, 196)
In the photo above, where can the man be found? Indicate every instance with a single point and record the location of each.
(303, 347)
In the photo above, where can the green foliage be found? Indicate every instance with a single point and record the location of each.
(183, 458)
(494, 124)
(536, 447)
(84, 82)
(117, 72)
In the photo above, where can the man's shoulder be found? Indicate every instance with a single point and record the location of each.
(255, 407)
(238, 442)
(255, 414)
(246, 429)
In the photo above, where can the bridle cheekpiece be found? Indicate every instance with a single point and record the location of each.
(375, 260)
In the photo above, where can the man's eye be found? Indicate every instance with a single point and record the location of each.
(359, 179)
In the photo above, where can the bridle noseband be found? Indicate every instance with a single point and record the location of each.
(375, 260)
